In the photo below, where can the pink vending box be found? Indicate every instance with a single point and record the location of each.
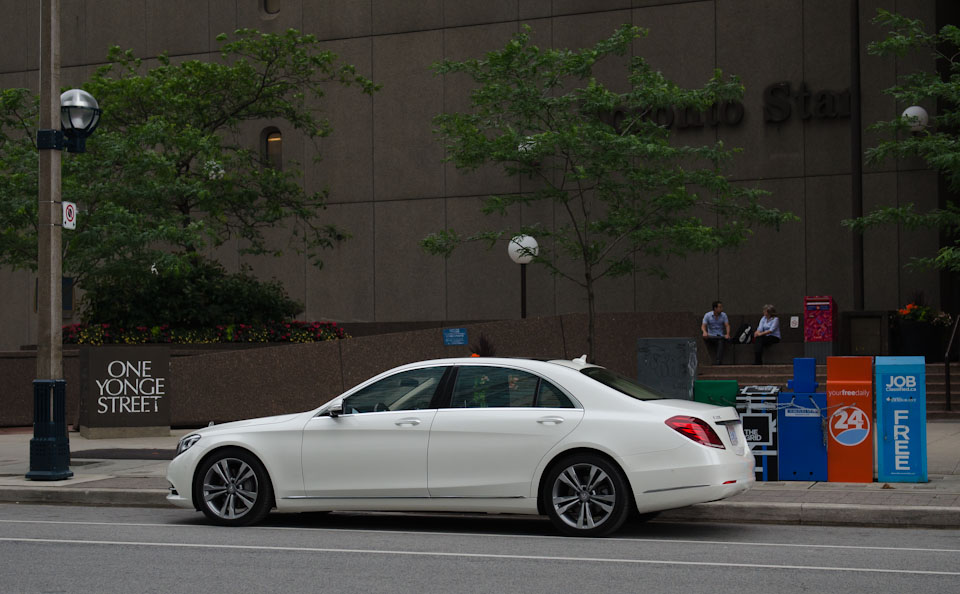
(819, 319)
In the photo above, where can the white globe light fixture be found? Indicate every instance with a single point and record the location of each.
(79, 117)
(917, 118)
(523, 249)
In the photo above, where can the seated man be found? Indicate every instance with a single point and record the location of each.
(716, 329)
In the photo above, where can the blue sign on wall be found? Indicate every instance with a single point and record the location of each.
(454, 336)
(901, 419)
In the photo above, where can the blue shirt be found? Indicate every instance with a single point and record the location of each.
(716, 325)
(771, 324)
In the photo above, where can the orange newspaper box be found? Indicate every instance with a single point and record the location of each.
(850, 419)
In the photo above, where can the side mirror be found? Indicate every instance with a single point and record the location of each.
(335, 411)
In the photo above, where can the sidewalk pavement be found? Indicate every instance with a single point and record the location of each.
(131, 472)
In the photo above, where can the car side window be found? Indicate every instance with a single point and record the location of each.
(407, 390)
(487, 387)
(550, 396)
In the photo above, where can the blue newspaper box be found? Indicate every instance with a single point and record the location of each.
(802, 450)
(901, 419)
(801, 418)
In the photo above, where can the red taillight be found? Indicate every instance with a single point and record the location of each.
(696, 429)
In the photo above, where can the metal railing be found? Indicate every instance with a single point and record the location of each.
(946, 360)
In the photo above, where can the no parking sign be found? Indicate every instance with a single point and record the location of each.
(69, 215)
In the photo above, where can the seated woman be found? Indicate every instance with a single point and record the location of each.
(767, 333)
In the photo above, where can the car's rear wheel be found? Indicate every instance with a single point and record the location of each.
(233, 488)
(586, 495)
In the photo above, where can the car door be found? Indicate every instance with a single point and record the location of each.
(490, 437)
(378, 446)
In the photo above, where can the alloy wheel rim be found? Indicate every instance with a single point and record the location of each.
(584, 496)
(230, 488)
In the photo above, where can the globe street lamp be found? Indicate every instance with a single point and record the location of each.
(79, 117)
(916, 117)
(523, 249)
(77, 114)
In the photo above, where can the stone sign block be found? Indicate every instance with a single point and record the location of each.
(125, 391)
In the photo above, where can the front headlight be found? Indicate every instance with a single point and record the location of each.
(187, 442)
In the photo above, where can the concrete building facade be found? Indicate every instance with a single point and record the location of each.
(389, 187)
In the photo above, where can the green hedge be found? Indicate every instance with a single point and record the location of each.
(99, 334)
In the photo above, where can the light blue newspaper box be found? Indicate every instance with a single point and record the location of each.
(901, 419)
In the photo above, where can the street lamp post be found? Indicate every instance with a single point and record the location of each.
(77, 114)
(523, 249)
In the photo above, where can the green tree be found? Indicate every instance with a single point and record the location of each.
(938, 144)
(623, 188)
(165, 176)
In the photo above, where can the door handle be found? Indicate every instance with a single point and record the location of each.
(550, 420)
(407, 422)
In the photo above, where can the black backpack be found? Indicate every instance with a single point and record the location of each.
(744, 334)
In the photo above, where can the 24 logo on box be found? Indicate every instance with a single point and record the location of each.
(849, 426)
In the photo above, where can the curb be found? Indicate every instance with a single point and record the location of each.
(813, 514)
(81, 496)
(819, 514)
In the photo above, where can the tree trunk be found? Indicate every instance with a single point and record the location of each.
(591, 317)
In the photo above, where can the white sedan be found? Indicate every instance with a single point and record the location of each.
(567, 439)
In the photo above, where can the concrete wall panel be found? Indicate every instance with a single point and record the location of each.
(173, 28)
(407, 156)
(541, 284)
(584, 31)
(771, 266)
(826, 68)
(289, 268)
(223, 19)
(106, 23)
(587, 6)
(828, 244)
(346, 164)
(881, 246)
(690, 63)
(876, 74)
(337, 19)
(400, 16)
(760, 56)
(343, 290)
(409, 282)
(457, 13)
(18, 318)
(533, 9)
(483, 283)
(20, 32)
(463, 44)
(289, 16)
(919, 189)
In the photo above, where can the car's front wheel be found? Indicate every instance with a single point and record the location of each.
(233, 488)
(586, 495)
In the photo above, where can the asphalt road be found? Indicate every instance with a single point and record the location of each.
(131, 550)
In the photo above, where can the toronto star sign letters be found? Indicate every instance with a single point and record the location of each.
(780, 102)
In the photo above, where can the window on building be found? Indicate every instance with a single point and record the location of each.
(271, 151)
(270, 6)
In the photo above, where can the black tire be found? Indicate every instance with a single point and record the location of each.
(232, 488)
(586, 495)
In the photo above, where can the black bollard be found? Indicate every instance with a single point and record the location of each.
(50, 446)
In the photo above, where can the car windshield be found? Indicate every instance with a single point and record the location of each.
(622, 384)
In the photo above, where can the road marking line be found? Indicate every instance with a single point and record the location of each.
(489, 535)
(473, 556)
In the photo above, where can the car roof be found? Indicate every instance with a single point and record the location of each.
(575, 364)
